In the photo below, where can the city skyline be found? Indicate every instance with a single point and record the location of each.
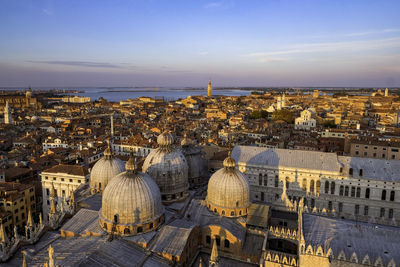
(181, 43)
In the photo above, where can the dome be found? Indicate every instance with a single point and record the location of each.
(228, 191)
(196, 164)
(104, 170)
(168, 167)
(131, 203)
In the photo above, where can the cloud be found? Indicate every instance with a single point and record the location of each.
(79, 63)
(226, 4)
(48, 12)
(336, 47)
(203, 53)
(213, 5)
(391, 30)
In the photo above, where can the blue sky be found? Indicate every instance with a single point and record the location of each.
(185, 43)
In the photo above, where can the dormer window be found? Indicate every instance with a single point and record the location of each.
(360, 172)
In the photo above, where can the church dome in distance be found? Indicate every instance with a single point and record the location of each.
(104, 170)
(228, 192)
(131, 203)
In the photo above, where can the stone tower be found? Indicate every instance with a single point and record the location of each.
(7, 114)
(209, 90)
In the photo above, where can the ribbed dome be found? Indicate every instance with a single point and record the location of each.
(132, 198)
(165, 139)
(170, 171)
(196, 163)
(228, 191)
(104, 170)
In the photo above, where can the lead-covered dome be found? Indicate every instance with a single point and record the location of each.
(131, 203)
(197, 166)
(228, 191)
(168, 167)
(104, 170)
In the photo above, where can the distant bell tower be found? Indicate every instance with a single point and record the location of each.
(7, 114)
(209, 90)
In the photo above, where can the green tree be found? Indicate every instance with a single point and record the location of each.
(284, 115)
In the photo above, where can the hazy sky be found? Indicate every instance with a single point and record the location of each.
(185, 43)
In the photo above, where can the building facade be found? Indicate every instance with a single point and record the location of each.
(305, 121)
(353, 188)
(65, 179)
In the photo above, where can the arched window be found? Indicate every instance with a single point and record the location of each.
(151, 226)
(215, 210)
(367, 193)
(312, 186)
(116, 218)
(383, 197)
(304, 185)
(218, 240)
(127, 231)
(260, 179)
(105, 226)
(139, 229)
(287, 182)
(226, 243)
(333, 187)
(341, 188)
(360, 172)
(240, 212)
(318, 186)
(276, 181)
(223, 212)
(392, 195)
(351, 171)
(232, 213)
(326, 187)
(346, 191)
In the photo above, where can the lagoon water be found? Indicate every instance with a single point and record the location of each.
(117, 94)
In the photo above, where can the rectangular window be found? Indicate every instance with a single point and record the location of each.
(358, 192)
(340, 207)
(356, 209)
(390, 213)
(366, 210)
(382, 214)
(353, 191)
